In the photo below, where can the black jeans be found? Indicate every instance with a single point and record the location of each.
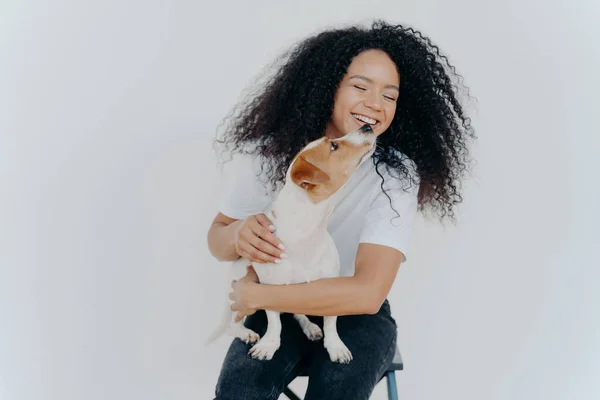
(370, 338)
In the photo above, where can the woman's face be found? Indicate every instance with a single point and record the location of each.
(367, 94)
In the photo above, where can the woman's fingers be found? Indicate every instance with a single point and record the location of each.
(255, 241)
(265, 222)
(265, 229)
(265, 247)
(255, 255)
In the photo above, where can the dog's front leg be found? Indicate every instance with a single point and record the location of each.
(338, 352)
(269, 344)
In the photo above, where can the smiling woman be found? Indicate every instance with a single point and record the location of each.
(395, 80)
(367, 94)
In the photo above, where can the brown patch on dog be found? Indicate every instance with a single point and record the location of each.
(323, 168)
(307, 175)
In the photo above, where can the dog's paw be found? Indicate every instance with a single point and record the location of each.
(312, 331)
(246, 335)
(338, 352)
(264, 349)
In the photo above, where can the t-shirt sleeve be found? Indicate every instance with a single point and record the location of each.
(244, 193)
(383, 226)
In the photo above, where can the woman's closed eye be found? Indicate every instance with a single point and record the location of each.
(364, 89)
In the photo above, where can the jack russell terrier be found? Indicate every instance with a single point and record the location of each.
(300, 213)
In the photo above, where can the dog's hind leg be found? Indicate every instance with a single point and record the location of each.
(270, 342)
(338, 352)
(310, 329)
(238, 330)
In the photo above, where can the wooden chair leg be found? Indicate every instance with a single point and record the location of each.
(391, 385)
(291, 395)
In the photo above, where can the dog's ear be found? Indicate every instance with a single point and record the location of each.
(307, 175)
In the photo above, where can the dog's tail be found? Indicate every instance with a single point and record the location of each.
(226, 318)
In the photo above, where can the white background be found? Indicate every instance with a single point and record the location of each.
(109, 183)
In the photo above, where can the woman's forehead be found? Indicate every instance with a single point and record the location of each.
(373, 65)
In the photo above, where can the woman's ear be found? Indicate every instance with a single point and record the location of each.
(307, 175)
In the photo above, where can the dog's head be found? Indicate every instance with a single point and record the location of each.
(325, 165)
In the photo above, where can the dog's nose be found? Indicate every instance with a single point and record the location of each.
(366, 128)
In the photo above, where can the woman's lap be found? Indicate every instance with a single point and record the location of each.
(370, 338)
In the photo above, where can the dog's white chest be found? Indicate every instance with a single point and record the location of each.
(303, 265)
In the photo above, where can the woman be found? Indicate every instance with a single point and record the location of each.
(330, 84)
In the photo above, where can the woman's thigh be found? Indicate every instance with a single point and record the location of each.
(372, 341)
(243, 377)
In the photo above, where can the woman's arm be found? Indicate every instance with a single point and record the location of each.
(363, 293)
(221, 238)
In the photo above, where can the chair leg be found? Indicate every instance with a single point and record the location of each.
(391, 385)
(291, 395)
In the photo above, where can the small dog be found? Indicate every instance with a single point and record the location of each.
(300, 213)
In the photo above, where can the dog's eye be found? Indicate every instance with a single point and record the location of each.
(334, 146)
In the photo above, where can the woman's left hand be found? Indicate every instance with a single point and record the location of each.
(239, 294)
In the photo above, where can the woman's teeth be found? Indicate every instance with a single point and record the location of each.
(364, 119)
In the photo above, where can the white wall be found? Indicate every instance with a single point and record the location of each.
(109, 185)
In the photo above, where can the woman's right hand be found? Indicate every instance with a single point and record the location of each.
(254, 240)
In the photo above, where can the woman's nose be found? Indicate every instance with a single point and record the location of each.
(373, 101)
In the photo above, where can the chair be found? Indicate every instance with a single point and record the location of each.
(390, 374)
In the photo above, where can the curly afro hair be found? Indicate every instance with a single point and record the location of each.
(292, 107)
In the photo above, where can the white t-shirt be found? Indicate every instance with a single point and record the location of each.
(362, 215)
